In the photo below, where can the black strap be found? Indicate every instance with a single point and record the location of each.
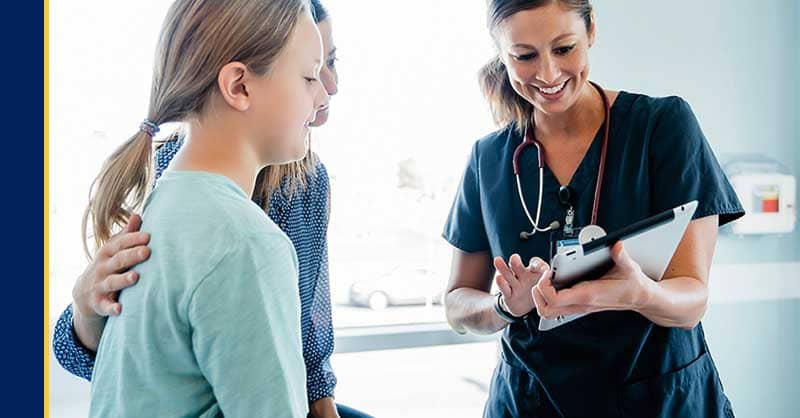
(507, 316)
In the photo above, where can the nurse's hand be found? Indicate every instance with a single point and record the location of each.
(516, 281)
(624, 287)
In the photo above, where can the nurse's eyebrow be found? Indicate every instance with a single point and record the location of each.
(531, 47)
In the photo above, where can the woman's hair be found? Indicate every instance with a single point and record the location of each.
(506, 105)
(319, 11)
(197, 39)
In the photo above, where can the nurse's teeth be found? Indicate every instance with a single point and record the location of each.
(552, 90)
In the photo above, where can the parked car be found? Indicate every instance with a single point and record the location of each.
(401, 286)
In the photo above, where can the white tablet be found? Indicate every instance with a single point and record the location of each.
(651, 242)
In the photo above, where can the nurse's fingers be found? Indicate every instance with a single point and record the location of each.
(502, 284)
(582, 294)
(549, 311)
(515, 262)
(545, 286)
(569, 310)
(503, 269)
(538, 265)
(621, 257)
(541, 305)
(564, 297)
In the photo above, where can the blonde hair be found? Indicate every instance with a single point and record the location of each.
(296, 175)
(197, 39)
(506, 105)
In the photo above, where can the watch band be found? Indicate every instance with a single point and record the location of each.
(503, 313)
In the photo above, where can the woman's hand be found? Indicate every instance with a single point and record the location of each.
(323, 408)
(96, 290)
(624, 287)
(516, 282)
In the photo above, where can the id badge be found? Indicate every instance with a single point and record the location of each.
(561, 243)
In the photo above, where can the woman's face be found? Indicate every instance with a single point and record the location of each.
(328, 75)
(546, 52)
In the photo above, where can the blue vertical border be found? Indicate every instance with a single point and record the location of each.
(24, 208)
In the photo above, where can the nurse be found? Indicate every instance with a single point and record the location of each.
(610, 158)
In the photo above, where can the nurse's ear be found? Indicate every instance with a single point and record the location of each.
(591, 32)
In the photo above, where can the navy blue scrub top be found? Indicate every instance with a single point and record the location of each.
(608, 363)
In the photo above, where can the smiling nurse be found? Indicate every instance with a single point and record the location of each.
(609, 158)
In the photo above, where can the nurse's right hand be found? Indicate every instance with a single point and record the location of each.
(515, 282)
(96, 291)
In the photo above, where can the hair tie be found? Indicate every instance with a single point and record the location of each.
(149, 127)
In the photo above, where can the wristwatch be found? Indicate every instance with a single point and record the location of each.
(502, 310)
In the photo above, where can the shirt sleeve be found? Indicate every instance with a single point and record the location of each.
(464, 228)
(318, 342)
(318, 338)
(71, 354)
(245, 322)
(684, 168)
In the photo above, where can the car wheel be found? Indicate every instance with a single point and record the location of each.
(378, 301)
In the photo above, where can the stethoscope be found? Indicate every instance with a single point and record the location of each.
(528, 141)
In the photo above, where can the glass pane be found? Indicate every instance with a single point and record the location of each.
(396, 143)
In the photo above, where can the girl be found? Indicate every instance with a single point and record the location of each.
(294, 195)
(215, 330)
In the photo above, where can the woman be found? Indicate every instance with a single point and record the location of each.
(641, 352)
(215, 330)
(296, 197)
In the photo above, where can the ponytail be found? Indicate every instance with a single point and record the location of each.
(120, 188)
(506, 105)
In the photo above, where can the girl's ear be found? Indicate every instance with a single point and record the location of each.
(232, 82)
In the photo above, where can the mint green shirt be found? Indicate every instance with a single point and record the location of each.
(212, 328)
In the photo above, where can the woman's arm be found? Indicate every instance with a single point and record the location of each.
(680, 299)
(468, 304)
(78, 330)
(70, 353)
(320, 378)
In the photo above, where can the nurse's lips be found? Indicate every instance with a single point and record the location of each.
(552, 92)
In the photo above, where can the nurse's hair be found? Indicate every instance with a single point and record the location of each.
(506, 105)
(198, 38)
(295, 174)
